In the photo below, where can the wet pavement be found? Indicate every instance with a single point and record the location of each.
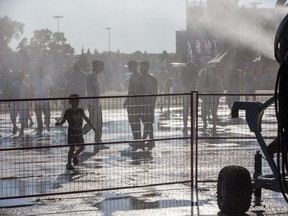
(173, 199)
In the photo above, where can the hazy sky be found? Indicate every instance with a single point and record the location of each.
(145, 25)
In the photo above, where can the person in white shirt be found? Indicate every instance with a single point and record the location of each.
(42, 87)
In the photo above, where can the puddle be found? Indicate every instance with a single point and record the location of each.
(115, 202)
(9, 203)
(13, 187)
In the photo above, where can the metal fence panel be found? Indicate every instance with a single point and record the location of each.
(34, 165)
(229, 141)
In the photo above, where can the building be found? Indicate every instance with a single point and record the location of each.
(246, 32)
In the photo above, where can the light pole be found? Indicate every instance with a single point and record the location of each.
(108, 37)
(254, 4)
(58, 17)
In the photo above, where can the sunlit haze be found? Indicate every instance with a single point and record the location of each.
(144, 25)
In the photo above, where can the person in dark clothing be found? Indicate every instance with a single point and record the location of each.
(133, 104)
(250, 84)
(162, 77)
(94, 105)
(74, 116)
(211, 84)
(19, 90)
(150, 86)
(189, 81)
(168, 90)
(234, 84)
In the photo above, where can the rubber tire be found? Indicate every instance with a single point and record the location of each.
(234, 190)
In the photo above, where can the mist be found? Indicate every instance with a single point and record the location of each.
(252, 28)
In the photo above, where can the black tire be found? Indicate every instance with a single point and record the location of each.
(234, 190)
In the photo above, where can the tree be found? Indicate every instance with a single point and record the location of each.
(9, 30)
(58, 45)
(45, 42)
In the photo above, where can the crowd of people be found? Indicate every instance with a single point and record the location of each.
(140, 110)
(41, 87)
(208, 80)
(81, 84)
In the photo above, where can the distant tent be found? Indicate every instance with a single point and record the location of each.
(137, 53)
(219, 58)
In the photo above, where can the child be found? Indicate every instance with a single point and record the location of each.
(74, 116)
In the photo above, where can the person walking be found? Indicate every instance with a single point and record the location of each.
(19, 90)
(133, 104)
(234, 82)
(94, 105)
(42, 87)
(150, 86)
(74, 116)
(210, 84)
(250, 84)
(168, 90)
(189, 80)
(76, 81)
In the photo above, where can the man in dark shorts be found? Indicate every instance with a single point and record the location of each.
(74, 117)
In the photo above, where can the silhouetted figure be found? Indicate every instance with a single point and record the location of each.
(210, 84)
(189, 77)
(163, 75)
(250, 84)
(19, 90)
(168, 85)
(75, 84)
(74, 116)
(27, 80)
(8, 77)
(133, 104)
(42, 87)
(150, 85)
(94, 105)
(233, 86)
(177, 84)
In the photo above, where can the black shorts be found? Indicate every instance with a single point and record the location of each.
(75, 139)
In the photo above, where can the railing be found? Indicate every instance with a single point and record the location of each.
(34, 164)
(228, 141)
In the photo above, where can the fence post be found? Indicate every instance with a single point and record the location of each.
(193, 140)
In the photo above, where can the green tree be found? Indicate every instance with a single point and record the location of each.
(45, 42)
(9, 30)
(22, 46)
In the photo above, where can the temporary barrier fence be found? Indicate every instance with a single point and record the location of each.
(34, 164)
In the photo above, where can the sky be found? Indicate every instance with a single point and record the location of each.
(144, 25)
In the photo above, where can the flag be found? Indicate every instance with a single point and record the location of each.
(189, 52)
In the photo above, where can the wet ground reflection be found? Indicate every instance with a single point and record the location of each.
(112, 203)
